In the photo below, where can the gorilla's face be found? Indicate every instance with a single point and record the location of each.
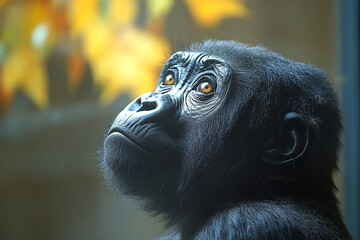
(204, 125)
(161, 133)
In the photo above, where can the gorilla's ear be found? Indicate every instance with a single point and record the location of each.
(289, 141)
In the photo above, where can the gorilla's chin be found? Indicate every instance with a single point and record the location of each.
(129, 168)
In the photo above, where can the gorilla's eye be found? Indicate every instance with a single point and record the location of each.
(169, 80)
(205, 87)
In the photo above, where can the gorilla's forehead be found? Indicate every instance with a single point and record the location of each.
(200, 60)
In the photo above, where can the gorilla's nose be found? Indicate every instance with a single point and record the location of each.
(146, 102)
(151, 106)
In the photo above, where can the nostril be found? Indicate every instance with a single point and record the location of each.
(135, 105)
(147, 106)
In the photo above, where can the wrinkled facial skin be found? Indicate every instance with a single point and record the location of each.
(146, 143)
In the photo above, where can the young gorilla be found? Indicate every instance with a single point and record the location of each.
(236, 142)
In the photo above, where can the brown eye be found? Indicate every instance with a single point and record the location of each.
(169, 80)
(205, 87)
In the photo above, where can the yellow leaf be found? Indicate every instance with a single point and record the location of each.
(27, 22)
(158, 9)
(35, 83)
(35, 13)
(150, 49)
(208, 13)
(14, 69)
(101, 67)
(123, 12)
(82, 15)
(130, 61)
(97, 40)
(23, 70)
(144, 82)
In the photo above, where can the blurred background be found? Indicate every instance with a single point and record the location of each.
(68, 67)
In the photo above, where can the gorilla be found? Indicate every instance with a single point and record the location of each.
(236, 142)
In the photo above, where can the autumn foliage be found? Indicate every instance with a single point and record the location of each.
(100, 34)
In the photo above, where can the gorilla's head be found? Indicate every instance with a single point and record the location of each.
(226, 123)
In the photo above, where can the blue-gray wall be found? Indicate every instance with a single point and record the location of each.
(348, 17)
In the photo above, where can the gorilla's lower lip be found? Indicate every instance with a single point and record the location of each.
(120, 132)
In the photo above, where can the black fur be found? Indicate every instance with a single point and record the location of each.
(254, 160)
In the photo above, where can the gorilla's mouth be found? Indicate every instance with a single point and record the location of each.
(119, 130)
(128, 137)
(125, 134)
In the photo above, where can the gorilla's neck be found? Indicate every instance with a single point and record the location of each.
(249, 219)
(190, 214)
